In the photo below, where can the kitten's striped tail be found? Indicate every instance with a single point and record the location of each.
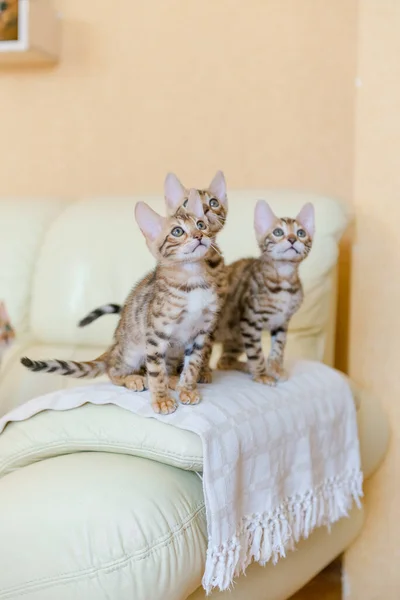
(91, 369)
(106, 309)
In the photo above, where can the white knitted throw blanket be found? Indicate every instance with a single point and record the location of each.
(278, 462)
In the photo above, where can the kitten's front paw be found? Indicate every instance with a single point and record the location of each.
(136, 383)
(276, 371)
(265, 379)
(165, 406)
(205, 376)
(189, 396)
(283, 376)
(173, 382)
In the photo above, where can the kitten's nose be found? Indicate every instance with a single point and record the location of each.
(291, 238)
(198, 235)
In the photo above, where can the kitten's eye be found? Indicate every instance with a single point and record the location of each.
(301, 233)
(214, 203)
(278, 232)
(201, 225)
(177, 231)
(3, 6)
(185, 203)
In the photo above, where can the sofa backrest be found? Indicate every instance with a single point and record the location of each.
(63, 258)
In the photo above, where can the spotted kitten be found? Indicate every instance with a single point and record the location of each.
(215, 206)
(264, 293)
(168, 316)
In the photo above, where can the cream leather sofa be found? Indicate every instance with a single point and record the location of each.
(117, 512)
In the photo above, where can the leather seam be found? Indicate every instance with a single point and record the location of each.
(78, 443)
(116, 565)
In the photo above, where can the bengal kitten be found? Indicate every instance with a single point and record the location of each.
(8, 20)
(215, 206)
(7, 333)
(168, 316)
(264, 293)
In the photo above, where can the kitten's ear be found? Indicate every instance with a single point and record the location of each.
(195, 205)
(174, 192)
(218, 187)
(151, 223)
(264, 218)
(307, 218)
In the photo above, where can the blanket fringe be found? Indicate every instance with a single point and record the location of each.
(267, 537)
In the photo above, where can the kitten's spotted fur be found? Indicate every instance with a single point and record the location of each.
(168, 316)
(264, 293)
(215, 206)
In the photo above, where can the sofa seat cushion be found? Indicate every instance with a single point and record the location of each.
(93, 526)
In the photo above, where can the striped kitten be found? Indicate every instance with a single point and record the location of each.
(215, 205)
(168, 315)
(264, 293)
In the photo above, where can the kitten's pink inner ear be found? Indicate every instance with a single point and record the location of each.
(194, 205)
(307, 218)
(174, 192)
(264, 218)
(151, 223)
(218, 187)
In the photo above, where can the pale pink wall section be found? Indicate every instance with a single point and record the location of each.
(262, 89)
(373, 564)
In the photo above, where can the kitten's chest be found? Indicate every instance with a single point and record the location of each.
(278, 307)
(200, 304)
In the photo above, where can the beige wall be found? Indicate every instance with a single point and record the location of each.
(262, 89)
(373, 564)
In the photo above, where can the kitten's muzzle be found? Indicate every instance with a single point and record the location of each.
(200, 243)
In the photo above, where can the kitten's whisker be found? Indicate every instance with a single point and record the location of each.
(216, 249)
